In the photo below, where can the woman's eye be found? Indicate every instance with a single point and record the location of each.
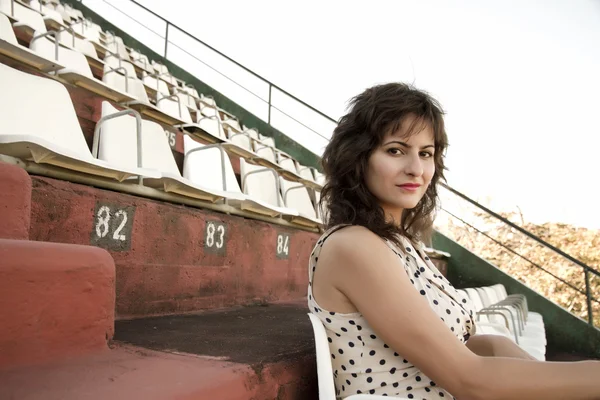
(426, 154)
(394, 151)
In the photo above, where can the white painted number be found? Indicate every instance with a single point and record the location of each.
(282, 244)
(210, 235)
(171, 137)
(103, 220)
(117, 235)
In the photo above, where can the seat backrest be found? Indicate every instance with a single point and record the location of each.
(288, 163)
(269, 141)
(55, 118)
(86, 47)
(24, 15)
(161, 69)
(252, 132)
(135, 87)
(186, 99)
(156, 84)
(306, 172)
(266, 152)
(297, 198)
(112, 62)
(475, 298)
(240, 139)
(491, 294)
(6, 31)
(204, 167)
(118, 143)
(261, 185)
(174, 109)
(500, 291)
(71, 59)
(324, 368)
(211, 124)
(208, 100)
(192, 91)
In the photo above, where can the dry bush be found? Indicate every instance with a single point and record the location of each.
(581, 243)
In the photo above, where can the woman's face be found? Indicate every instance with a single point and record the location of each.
(400, 169)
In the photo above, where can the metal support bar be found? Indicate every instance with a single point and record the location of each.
(218, 121)
(166, 38)
(138, 132)
(588, 296)
(171, 96)
(269, 104)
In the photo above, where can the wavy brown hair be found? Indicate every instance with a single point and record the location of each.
(345, 198)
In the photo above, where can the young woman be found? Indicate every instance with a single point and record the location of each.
(395, 325)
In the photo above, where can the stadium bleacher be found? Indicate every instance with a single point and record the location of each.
(215, 164)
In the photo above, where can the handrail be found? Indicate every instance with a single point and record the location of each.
(523, 231)
(235, 62)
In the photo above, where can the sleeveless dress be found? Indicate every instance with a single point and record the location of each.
(363, 363)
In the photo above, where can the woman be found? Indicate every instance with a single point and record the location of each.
(395, 325)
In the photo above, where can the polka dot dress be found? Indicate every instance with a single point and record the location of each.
(362, 362)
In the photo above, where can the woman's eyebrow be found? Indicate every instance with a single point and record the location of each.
(406, 145)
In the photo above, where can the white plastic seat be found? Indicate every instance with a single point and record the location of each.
(77, 70)
(187, 99)
(9, 46)
(54, 136)
(288, 163)
(295, 196)
(160, 68)
(24, 16)
(489, 297)
(534, 317)
(192, 91)
(112, 62)
(269, 141)
(325, 370)
(534, 345)
(174, 108)
(134, 87)
(155, 85)
(262, 183)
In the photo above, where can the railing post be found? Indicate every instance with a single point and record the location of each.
(270, 89)
(589, 298)
(166, 38)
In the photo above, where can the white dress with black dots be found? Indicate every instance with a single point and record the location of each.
(363, 363)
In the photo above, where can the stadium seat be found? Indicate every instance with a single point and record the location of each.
(325, 370)
(154, 86)
(10, 47)
(262, 183)
(54, 136)
(26, 19)
(113, 62)
(296, 196)
(77, 70)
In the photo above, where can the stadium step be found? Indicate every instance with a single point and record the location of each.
(242, 353)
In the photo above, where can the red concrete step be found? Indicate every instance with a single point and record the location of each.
(173, 259)
(249, 353)
(56, 301)
(15, 202)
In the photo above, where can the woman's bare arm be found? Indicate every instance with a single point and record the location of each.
(496, 346)
(375, 282)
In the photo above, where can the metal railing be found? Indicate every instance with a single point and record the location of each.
(269, 102)
(587, 270)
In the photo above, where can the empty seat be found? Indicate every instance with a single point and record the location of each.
(130, 85)
(263, 184)
(112, 62)
(155, 85)
(77, 70)
(54, 136)
(288, 163)
(9, 46)
(296, 196)
(24, 16)
(191, 90)
(172, 106)
(187, 99)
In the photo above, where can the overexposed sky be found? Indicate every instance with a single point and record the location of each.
(519, 80)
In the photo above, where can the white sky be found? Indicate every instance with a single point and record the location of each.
(519, 79)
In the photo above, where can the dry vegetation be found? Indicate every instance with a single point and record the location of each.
(582, 244)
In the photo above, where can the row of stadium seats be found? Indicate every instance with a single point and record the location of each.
(501, 314)
(141, 98)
